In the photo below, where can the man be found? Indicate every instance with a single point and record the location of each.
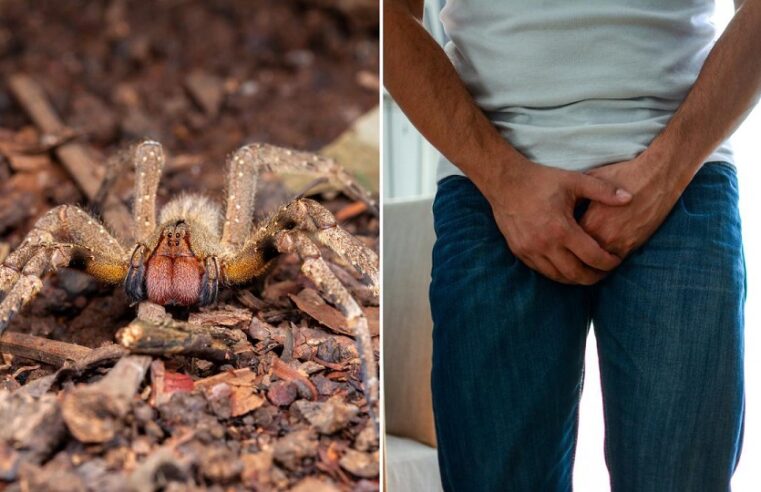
(585, 179)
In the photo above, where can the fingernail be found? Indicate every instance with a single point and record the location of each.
(623, 194)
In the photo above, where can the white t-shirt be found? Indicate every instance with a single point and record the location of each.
(577, 84)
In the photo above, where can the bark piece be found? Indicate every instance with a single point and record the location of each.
(32, 426)
(256, 470)
(93, 413)
(228, 316)
(288, 373)
(165, 383)
(310, 301)
(282, 393)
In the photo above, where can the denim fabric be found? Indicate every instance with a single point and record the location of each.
(508, 351)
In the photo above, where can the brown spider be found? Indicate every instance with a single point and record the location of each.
(193, 250)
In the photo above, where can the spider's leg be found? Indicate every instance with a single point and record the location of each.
(253, 259)
(242, 176)
(249, 161)
(278, 159)
(61, 233)
(149, 162)
(318, 271)
(28, 283)
(311, 216)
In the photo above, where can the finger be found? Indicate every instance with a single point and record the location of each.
(588, 250)
(599, 190)
(571, 268)
(544, 267)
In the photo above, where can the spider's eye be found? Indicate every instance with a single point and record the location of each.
(169, 235)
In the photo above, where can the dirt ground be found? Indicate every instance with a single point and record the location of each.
(283, 406)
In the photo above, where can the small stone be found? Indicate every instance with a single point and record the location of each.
(367, 439)
(329, 416)
(311, 484)
(363, 465)
(290, 450)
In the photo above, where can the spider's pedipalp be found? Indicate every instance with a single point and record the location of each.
(149, 162)
(317, 270)
(61, 234)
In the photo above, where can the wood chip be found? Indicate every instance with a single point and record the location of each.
(288, 373)
(310, 301)
(232, 391)
(165, 383)
(350, 211)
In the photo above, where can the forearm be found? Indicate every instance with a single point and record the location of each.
(727, 87)
(426, 86)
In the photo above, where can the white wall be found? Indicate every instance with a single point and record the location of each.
(409, 170)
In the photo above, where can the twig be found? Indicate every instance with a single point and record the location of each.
(177, 338)
(41, 349)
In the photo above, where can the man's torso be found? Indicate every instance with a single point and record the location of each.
(576, 84)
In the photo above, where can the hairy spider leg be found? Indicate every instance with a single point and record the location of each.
(243, 170)
(241, 180)
(149, 162)
(317, 270)
(64, 232)
(291, 231)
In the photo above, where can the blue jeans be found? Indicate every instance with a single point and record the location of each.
(508, 351)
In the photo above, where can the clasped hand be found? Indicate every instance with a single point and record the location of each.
(628, 202)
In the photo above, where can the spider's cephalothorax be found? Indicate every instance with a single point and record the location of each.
(192, 248)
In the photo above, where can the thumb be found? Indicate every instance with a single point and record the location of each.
(599, 190)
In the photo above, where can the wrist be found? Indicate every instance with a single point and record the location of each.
(500, 173)
(674, 164)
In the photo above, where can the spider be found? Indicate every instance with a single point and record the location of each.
(192, 249)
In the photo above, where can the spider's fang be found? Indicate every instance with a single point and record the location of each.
(134, 282)
(209, 282)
